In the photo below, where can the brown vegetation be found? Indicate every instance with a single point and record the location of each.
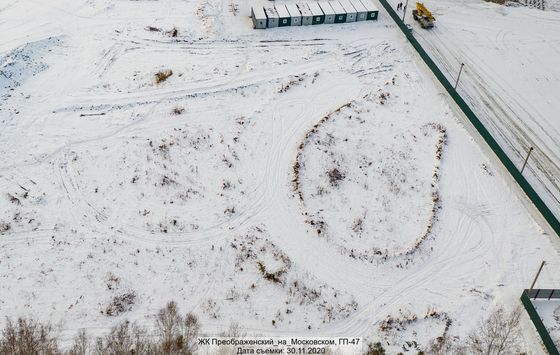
(28, 336)
(178, 110)
(298, 164)
(335, 176)
(163, 75)
(173, 334)
(120, 304)
(499, 334)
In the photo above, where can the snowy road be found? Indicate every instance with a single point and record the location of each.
(510, 79)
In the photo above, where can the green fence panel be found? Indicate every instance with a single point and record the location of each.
(541, 329)
(506, 161)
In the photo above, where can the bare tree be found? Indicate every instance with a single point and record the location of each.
(499, 334)
(177, 334)
(81, 344)
(235, 330)
(125, 339)
(27, 336)
(168, 322)
(174, 335)
(190, 328)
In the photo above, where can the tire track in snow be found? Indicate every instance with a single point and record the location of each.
(284, 217)
(254, 203)
(221, 45)
(155, 95)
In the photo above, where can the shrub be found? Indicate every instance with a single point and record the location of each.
(14, 199)
(442, 346)
(375, 349)
(275, 277)
(173, 32)
(5, 226)
(27, 336)
(121, 303)
(335, 176)
(162, 75)
(178, 110)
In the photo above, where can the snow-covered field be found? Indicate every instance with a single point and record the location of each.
(511, 77)
(305, 180)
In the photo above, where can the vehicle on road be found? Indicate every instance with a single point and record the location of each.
(423, 16)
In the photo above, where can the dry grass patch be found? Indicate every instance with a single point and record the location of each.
(163, 75)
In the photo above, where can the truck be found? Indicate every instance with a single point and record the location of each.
(423, 16)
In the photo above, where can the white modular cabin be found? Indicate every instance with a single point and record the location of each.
(306, 15)
(284, 17)
(360, 10)
(372, 10)
(328, 11)
(339, 11)
(295, 14)
(318, 14)
(271, 17)
(259, 17)
(351, 13)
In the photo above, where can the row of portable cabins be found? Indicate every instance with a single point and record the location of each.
(314, 13)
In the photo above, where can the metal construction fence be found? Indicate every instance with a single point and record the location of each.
(546, 294)
(492, 143)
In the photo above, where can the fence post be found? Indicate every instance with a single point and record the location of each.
(536, 277)
(526, 159)
(459, 75)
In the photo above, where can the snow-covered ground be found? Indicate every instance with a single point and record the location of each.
(511, 77)
(550, 315)
(217, 187)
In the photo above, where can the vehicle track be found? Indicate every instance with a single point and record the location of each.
(182, 91)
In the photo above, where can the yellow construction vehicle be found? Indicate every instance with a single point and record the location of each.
(423, 16)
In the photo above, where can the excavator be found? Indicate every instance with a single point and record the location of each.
(423, 16)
